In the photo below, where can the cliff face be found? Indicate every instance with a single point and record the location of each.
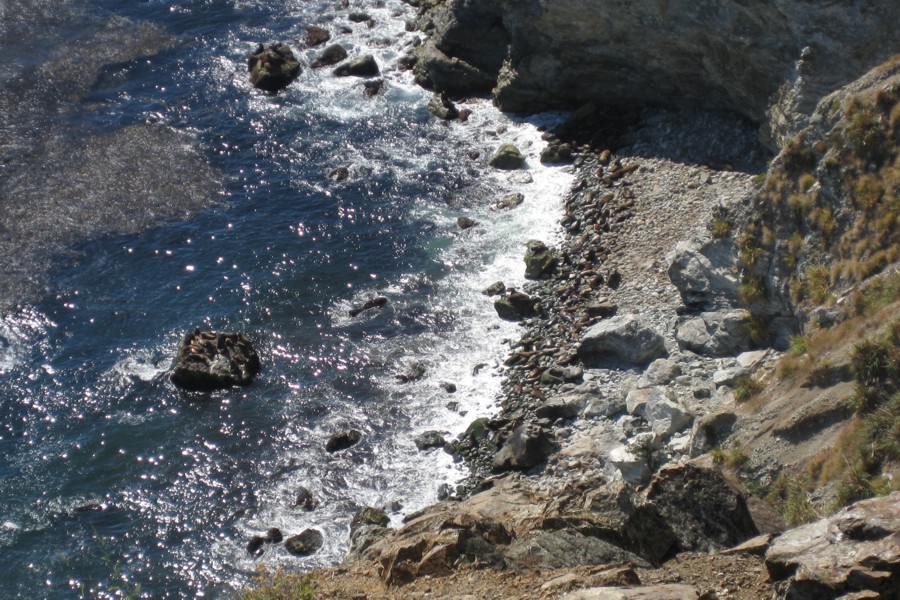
(770, 60)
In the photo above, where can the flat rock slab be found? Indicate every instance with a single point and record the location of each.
(669, 591)
(208, 361)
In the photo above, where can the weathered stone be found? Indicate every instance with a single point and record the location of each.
(495, 289)
(273, 68)
(706, 512)
(700, 283)
(466, 222)
(414, 372)
(441, 107)
(332, 55)
(665, 591)
(368, 515)
(664, 416)
(633, 466)
(567, 549)
(716, 333)
(601, 309)
(625, 338)
(305, 499)
(557, 153)
(539, 260)
(526, 447)
(343, 440)
(729, 376)
(855, 550)
(661, 371)
(363, 66)
(316, 36)
(561, 407)
(210, 361)
(509, 201)
(515, 306)
(429, 439)
(507, 157)
(305, 543)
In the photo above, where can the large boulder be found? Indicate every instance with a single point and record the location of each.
(664, 415)
(723, 333)
(273, 68)
(664, 591)
(515, 306)
(305, 543)
(855, 551)
(526, 447)
(363, 66)
(706, 512)
(625, 338)
(210, 361)
(332, 55)
(507, 157)
(567, 549)
(539, 260)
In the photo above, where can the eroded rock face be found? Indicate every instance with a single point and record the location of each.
(210, 361)
(771, 61)
(856, 550)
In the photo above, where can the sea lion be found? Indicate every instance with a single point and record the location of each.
(208, 335)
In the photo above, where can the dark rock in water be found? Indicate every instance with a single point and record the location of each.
(273, 535)
(448, 386)
(406, 62)
(209, 361)
(375, 302)
(495, 289)
(444, 492)
(368, 515)
(507, 157)
(557, 153)
(373, 88)
(339, 174)
(441, 107)
(305, 499)
(364, 66)
(316, 36)
(464, 114)
(515, 306)
(509, 201)
(305, 543)
(466, 222)
(255, 545)
(273, 68)
(359, 17)
(539, 260)
(429, 439)
(332, 55)
(415, 372)
(343, 440)
(526, 447)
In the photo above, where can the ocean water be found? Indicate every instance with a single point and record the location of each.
(146, 188)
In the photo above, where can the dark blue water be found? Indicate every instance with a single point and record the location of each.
(148, 189)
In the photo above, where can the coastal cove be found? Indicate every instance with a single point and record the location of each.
(450, 299)
(177, 196)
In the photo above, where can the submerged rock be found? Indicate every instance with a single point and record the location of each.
(210, 361)
(305, 499)
(375, 302)
(343, 440)
(316, 36)
(273, 68)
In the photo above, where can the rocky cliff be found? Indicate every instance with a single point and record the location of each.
(771, 61)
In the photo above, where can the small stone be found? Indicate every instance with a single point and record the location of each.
(507, 157)
(305, 543)
(495, 289)
(343, 440)
(363, 66)
(466, 222)
(332, 55)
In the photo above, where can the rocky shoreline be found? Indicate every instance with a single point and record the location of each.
(596, 478)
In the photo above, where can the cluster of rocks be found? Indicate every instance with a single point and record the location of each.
(275, 67)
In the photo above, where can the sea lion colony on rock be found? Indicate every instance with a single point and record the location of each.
(209, 360)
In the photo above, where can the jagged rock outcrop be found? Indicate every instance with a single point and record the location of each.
(771, 61)
(856, 550)
(210, 361)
